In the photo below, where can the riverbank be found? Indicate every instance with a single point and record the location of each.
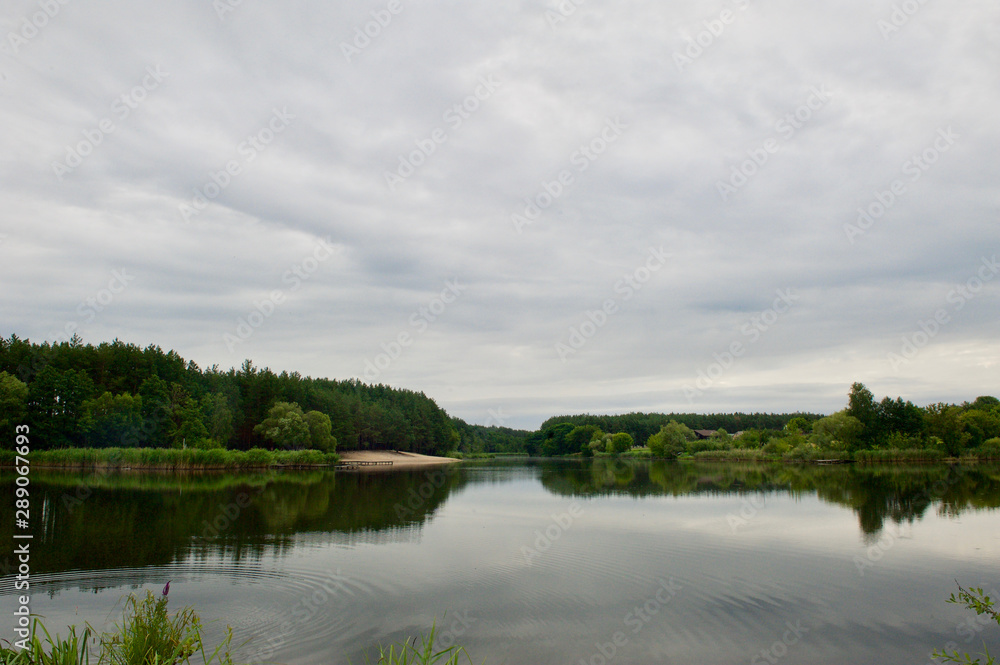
(170, 459)
(398, 459)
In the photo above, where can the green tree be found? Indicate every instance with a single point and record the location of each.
(187, 427)
(861, 405)
(579, 438)
(55, 406)
(800, 424)
(13, 406)
(671, 440)
(218, 417)
(554, 442)
(944, 421)
(108, 420)
(620, 443)
(838, 431)
(285, 426)
(319, 432)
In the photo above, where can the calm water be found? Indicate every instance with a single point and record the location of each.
(531, 563)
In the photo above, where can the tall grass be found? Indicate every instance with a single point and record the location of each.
(174, 458)
(895, 455)
(737, 455)
(405, 653)
(74, 650)
(148, 635)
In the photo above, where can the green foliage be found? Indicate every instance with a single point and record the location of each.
(184, 405)
(620, 443)
(798, 424)
(107, 420)
(977, 601)
(489, 439)
(422, 653)
(319, 432)
(148, 635)
(581, 436)
(896, 455)
(175, 458)
(285, 426)
(13, 406)
(671, 440)
(644, 425)
(839, 431)
(74, 650)
(554, 442)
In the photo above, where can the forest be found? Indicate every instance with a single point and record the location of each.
(76, 395)
(120, 395)
(865, 430)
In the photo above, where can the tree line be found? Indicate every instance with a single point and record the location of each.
(117, 394)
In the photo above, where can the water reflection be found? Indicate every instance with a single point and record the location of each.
(874, 493)
(102, 521)
(106, 521)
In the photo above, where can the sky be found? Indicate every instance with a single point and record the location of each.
(520, 208)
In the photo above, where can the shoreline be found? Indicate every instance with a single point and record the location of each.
(400, 460)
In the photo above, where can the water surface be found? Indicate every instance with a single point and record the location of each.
(531, 562)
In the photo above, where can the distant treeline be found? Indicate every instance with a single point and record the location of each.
(120, 395)
(641, 426)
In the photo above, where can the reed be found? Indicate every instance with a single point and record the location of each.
(174, 458)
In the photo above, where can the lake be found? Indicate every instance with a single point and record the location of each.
(531, 562)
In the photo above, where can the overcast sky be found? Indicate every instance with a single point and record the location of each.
(521, 208)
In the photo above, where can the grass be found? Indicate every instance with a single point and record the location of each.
(148, 635)
(407, 653)
(173, 458)
(738, 455)
(894, 455)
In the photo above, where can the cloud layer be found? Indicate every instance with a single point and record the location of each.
(520, 208)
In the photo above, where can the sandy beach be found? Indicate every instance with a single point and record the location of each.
(398, 459)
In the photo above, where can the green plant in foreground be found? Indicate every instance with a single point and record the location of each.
(405, 653)
(70, 651)
(148, 635)
(973, 599)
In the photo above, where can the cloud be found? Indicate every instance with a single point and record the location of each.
(206, 127)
